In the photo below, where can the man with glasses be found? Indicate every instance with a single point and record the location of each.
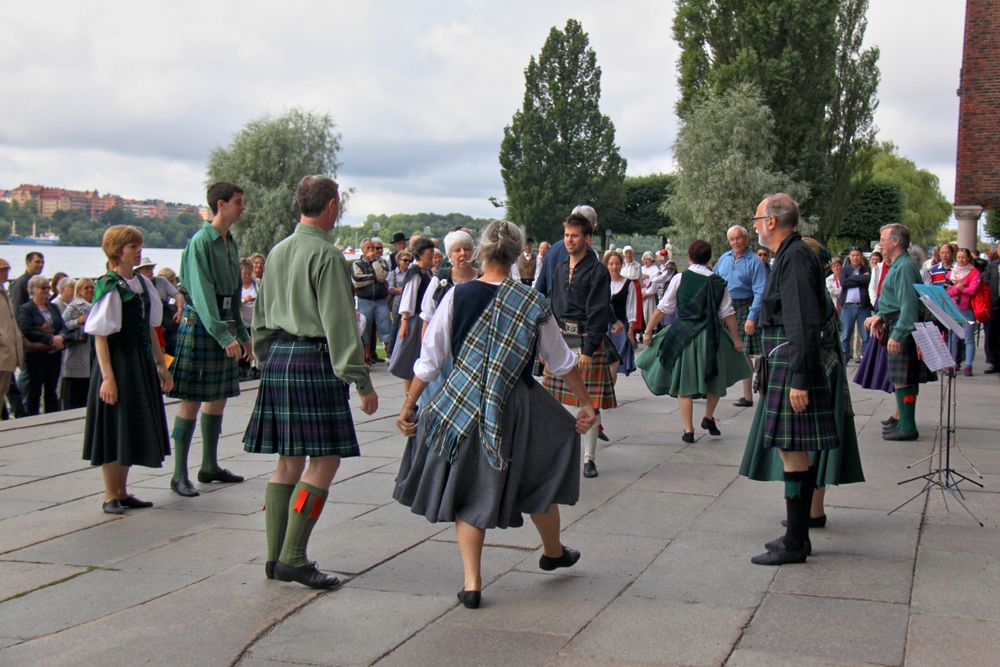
(765, 256)
(854, 303)
(898, 311)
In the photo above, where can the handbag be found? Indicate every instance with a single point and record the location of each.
(982, 303)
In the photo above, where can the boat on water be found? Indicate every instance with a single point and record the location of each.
(45, 238)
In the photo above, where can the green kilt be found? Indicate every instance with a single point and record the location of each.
(302, 408)
(202, 371)
(598, 380)
(687, 377)
(906, 368)
(751, 344)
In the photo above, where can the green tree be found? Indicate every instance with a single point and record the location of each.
(724, 152)
(992, 223)
(879, 204)
(806, 58)
(559, 150)
(409, 224)
(642, 213)
(925, 208)
(268, 158)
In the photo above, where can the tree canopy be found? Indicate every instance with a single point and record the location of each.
(642, 213)
(724, 152)
(806, 59)
(559, 150)
(409, 224)
(925, 208)
(268, 158)
(993, 223)
(879, 204)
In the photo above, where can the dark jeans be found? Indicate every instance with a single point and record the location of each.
(73, 393)
(853, 315)
(41, 374)
(992, 336)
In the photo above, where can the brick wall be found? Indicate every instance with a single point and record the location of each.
(977, 179)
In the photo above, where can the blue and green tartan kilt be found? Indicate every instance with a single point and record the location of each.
(202, 371)
(812, 430)
(751, 344)
(906, 368)
(302, 408)
(598, 380)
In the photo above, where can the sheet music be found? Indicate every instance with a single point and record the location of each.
(935, 353)
(940, 297)
(943, 317)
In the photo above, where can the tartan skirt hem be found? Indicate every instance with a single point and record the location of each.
(752, 345)
(598, 380)
(201, 370)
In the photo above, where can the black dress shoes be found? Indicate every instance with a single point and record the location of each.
(743, 403)
(814, 522)
(898, 435)
(269, 569)
(990, 370)
(589, 469)
(113, 506)
(184, 487)
(688, 437)
(602, 436)
(710, 426)
(308, 575)
(782, 556)
(891, 421)
(568, 559)
(779, 543)
(133, 503)
(470, 599)
(223, 476)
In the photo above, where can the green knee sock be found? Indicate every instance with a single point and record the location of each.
(276, 499)
(906, 399)
(183, 431)
(303, 512)
(211, 428)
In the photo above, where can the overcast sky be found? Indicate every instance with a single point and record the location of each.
(129, 97)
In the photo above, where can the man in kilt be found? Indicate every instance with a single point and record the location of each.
(211, 340)
(581, 302)
(797, 405)
(898, 311)
(745, 275)
(304, 328)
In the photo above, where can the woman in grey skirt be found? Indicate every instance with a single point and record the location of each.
(406, 347)
(76, 357)
(493, 443)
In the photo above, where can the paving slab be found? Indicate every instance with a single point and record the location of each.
(849, 576)
(351, 626)
(44, 524)
(644, 513)
(698, 479)
(19, 578)
(571, 660)
(602, 555)
(444, 644)
(944, 640)
(955, 583)
(749, 658)
(800, 625)
(356, 546)
(645, 630)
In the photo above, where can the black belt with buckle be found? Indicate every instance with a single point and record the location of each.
(285, 337)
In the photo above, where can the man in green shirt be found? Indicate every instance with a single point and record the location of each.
(305, 329)
(898, 311)
(211, 340)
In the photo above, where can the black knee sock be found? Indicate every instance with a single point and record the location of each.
(799, 488)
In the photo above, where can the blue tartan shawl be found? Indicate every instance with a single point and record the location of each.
(493, 355)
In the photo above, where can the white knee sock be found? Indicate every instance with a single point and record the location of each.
(590, 440)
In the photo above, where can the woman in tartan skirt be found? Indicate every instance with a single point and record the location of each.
(493, 444)
(695, 357)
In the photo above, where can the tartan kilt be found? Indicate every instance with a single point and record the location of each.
(752, 345)
(907, 369)
(202, 371)
(598, 380)
(812, 430)
(302, 408)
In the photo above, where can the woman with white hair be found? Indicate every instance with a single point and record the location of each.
(493, 444)
(649, 288)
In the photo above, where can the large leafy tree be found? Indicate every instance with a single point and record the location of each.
(559, 150)
(725, 155)
(805, 56)
(642, 212)
(268, 158)
(925, 209)
(880, 203)
(993, 223)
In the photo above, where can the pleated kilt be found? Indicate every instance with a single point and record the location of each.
(752, 345)
(598, 380)
(873, 371)
(812, 430)
(202, 371)
(302, 408)
(906, 368)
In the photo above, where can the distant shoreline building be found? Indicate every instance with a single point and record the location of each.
(48, 200)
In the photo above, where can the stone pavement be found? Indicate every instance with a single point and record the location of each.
(666, 531)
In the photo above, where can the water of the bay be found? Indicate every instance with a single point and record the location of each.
(81, 261)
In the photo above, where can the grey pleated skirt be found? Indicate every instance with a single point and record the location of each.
(542, 451)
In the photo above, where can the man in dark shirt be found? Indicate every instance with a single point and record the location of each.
(34, 262)
(797, 410)
(370, 275)
(992, 278)
(855, 305)
(399, 243)
(581, 303)
(557, 252)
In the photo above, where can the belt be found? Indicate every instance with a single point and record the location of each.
(853, 303)
(285, 337)
(191, 318)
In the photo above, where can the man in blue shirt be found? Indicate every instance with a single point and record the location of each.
(745, 275)
(855, 304)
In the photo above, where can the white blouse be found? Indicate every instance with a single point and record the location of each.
(630, 302)
(408, 299)
(668, 304)
(649, 273)
(106, 316)
(436, 347)
(632, 270)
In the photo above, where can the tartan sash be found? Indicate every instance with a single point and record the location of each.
(698, 299)
(493, 355)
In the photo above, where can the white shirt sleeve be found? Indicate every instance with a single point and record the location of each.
(726, 306)
(515, 275)
(155, 305)
(630, 302)
(427, 305)
(553, 349)
(106, 316)
(435, 350)
(660, 279)
(408, 299)
(668, 304)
